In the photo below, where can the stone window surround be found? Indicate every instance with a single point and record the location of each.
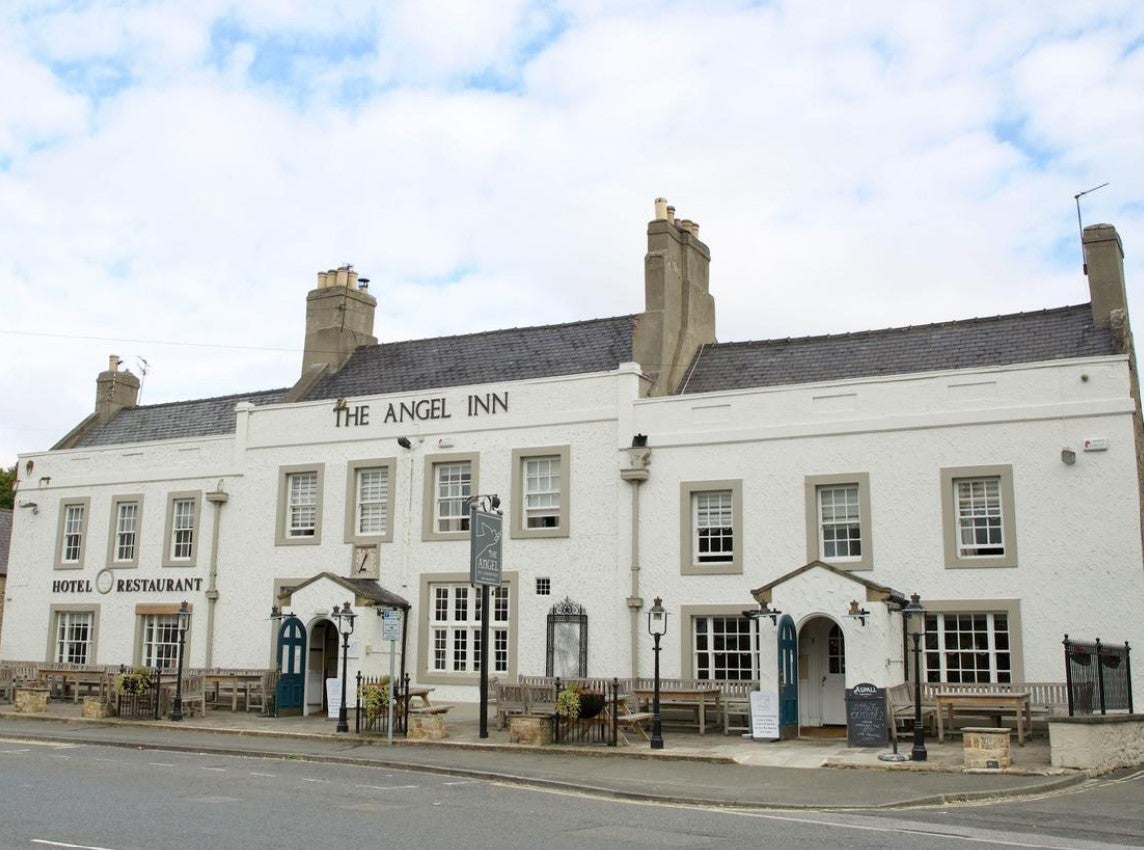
(352, 467)
(424, 645)
(687, 615)
(517, 516)
(1004, 473)
(280, 537)
(196, 496)
(813, 531)
(59, 563)
(56, 608)
(1011, 607)
(688, 565)
(429, 504)
(113, 533)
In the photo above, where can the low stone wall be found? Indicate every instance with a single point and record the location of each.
(94, 708)
(31, 700)
(426, 727)
(1097, 742)
(533, 731)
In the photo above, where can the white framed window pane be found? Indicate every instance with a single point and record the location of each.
(979, 520)
(182, 528)
(161, 640)
(542, 492)
(372, 501)
(126, 517)
(453, 483)
(722, 648)
(839, 522)
(968, 647)
(302, 507)
(73, 637)
(714, 535)
(456, 632)
(73, 534)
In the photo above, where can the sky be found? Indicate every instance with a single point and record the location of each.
(173, 175)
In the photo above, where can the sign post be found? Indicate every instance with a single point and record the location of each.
(391, 631)
(485, 529)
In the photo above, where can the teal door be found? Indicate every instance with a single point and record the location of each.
(291, 690)
(788, 678)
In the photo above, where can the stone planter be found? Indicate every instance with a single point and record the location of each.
(95, 708)
(986, 748)
(530, 731)
(32, 700)
(427, 727)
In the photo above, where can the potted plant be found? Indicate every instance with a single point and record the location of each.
(568, 703)
(374, 698)
(133, 682)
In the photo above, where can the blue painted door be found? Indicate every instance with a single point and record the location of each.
(291, 690)
(788, 677)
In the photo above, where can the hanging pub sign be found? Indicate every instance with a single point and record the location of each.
(485, 549)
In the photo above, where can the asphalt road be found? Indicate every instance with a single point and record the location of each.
(91, 796)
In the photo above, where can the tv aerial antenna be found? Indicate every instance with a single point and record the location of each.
(1079, 224)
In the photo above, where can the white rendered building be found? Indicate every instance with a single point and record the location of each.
(991, 466)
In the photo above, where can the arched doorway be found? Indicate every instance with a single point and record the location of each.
(822, 673)
(321, 664)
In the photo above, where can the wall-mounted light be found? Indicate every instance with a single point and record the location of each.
(857, 613)
(639, 441)
(45, 480)
(763, 611)
(404, 443)
(35, 508)
(1068, 456)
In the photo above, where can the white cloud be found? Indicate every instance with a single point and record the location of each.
(491, 165)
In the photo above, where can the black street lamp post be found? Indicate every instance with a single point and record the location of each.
(345, 619)
(184, 615)
(657, 628)
(915, 616)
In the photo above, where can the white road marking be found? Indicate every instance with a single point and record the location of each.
(161, 764)
(307, 779)
(215, 769)
(61, 844)
(14, 752)
(386, 787)
(32, 742)
(267, 775)
(464, 782)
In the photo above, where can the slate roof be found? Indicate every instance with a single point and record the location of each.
(597, 345)
(1055, 334)
(5, 539)
(204, 417)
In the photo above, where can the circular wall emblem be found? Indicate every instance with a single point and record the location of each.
(104, 580)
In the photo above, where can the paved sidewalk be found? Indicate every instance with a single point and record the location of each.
(711, 769)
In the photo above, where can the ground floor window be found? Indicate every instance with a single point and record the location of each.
(160, 641)
(74, 633)
(968, 647)
(455, 629)
(722, 648)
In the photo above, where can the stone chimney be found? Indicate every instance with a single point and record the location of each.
(114, 391)
(1104, 265)
(339, 318)
(679, 312)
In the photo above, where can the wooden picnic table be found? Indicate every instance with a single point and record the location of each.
(985, 703)
(232, 683)
(421, 695)
(98, 678)
(697, 699)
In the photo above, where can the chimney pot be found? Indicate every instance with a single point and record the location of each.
(660, 209)
(671, 214)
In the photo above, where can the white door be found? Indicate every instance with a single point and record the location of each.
(834, 678)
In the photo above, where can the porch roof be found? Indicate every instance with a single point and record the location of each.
(367, 592)
(874, 592)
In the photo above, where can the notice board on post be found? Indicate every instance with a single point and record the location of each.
(765, 715)
(866, 716)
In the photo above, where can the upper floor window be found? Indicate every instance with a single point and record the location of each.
(182, 529)
(711, 527)
(540, 492)
(450, 481)
(978, 517)
(300, 504)
(369, 500)
(123, 545)
(838, 520)
(72, 532)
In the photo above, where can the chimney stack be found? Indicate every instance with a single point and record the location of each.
(339, 318)
(114, 390)
(679, 312)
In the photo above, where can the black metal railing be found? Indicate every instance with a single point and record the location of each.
(145, 704)
(597, 719)
(364, 722)
(1098, 677)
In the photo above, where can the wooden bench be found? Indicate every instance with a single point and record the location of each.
(900, 708)
(737, 706)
